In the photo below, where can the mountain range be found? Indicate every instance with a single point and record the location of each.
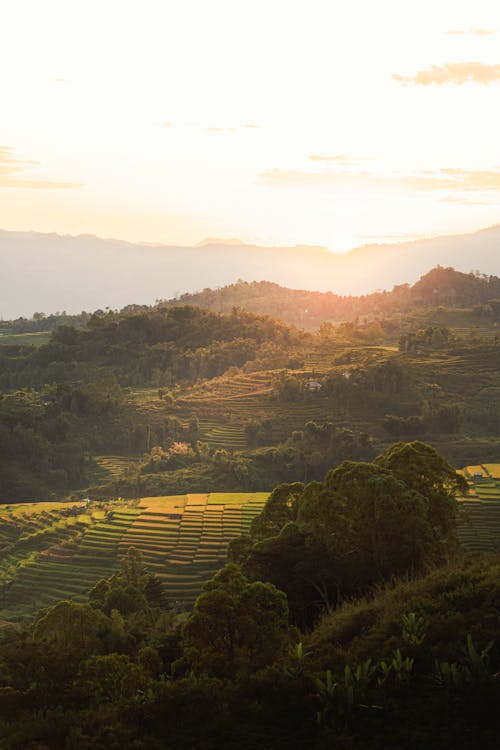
(50, 272)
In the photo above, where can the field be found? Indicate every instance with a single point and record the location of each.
(25, 339)
(58, 551)
(479, 527)
(226, 405)
(52, 551)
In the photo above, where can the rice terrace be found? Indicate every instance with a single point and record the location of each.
(53, 551)
(59, 550)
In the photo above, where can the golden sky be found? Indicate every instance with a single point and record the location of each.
(274, 121)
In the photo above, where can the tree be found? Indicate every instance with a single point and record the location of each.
(425, 472)
(366, 522)
(76, 627)
(280, 508)
(237, 627)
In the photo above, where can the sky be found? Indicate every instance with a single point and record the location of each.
(277, 122)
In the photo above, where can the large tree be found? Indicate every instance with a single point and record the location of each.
(366, 522)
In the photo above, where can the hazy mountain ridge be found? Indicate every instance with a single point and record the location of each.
(48, 272)
(439, 286)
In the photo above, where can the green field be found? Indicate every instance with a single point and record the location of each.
(479, 527)
(55, 551)
(25, 339)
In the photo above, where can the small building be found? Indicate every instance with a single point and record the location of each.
(313, 385)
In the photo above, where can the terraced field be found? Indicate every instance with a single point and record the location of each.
(479, 528)
(484, 333)
(230, 404)
(113, 466)
(219, 435)
(61, 551)
(53, 551)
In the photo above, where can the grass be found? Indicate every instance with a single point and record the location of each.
(240, 498)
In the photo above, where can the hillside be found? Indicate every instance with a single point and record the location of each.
(189, 400)
(325, 628)
(87, 273)
(53, 551)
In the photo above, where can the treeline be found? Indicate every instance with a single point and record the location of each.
(42, 322)
(194, 467)
(157, 347)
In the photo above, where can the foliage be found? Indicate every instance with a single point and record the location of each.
(365, 522)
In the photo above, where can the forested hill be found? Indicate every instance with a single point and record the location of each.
(179, 343)
(440, 286)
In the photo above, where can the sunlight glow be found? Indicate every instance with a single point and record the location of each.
(274, 121)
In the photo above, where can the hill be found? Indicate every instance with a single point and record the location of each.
(437, 288)
(86, 272)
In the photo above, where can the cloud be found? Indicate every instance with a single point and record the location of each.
(233, 129)
(464, 201)
(12, 171)
(459, 73)
(296, 178)
(336, 159)
(463, 180)
(447, 179)
(472, 32)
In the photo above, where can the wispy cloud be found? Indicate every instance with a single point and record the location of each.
(463, 180)
(12, 173)
(448, 179)
(471, 32)
(465, 201)
(233, 128)
(336, 159)
(462, 72)
(296, 178)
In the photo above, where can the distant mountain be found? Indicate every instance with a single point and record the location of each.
(49, 272)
